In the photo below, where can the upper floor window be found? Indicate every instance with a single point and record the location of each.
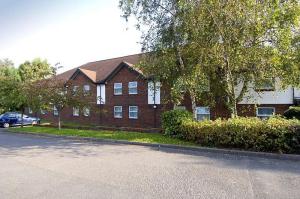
(86, 111)
(133, 112)
(118, 88)
(265, 85)
(265, 112)
(118, 112)
(75, 90)
(132, 88)
(203, 113)
(75, 111)
(86, 89)
(55, 111)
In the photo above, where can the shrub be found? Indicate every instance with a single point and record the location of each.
(292, 112)
(172, 121)
(273, 135)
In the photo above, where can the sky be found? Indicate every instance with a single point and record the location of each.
(69, 32)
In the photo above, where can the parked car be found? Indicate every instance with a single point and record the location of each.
(15, 119)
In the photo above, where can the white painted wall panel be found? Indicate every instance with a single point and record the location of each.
(279, 96)
(297, 93)
(154, 93)
(101, 94)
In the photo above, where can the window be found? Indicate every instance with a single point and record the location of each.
(118, 88)
(266, 85)
(75, 90)
(86, 89)
(43, 112)
(29, 110)
(75, 111)
(132, 88)
(202, 113)
(55, 111)
(86, 111)
(118, 111)
(133, 112)
(265, 112)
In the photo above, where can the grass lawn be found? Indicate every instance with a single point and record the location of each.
(114, 135)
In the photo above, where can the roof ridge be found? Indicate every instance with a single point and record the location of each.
(112, 58)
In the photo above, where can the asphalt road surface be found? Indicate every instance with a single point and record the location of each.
(39, 167)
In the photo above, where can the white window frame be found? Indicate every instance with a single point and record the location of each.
(115, 115)
(264, 116)
(205, 114)
(118, 86)
(85, 90)
(75, 90)
(130, 111)
(29, 110)
(43, 112)
(55, 111)
(76, 112)
(86, 111)
(133, 85)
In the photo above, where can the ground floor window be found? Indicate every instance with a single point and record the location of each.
(43, 112)
(55, 111)
(75, 111)
(202, 113)
(86, 111)
(133, 112)
(265, 112)
(118, 112)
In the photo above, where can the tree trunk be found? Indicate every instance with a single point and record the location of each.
(59, 125)
(194, 105)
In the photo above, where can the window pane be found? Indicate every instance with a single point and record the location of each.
(86, 87)
(203, 117)
(203, 110)
(86, 111)
(133, 108)
(265, 111)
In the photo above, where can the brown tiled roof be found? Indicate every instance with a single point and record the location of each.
(98, 71)
(90, 74)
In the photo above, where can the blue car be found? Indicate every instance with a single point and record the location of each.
(15, 119)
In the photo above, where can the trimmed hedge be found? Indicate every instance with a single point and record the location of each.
(292, 112)
(172, 121)
(272, 135)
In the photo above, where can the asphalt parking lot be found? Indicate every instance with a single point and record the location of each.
(39, 167)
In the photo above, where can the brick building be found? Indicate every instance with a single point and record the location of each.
(121, 96)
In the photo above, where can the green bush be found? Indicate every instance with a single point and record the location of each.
(172, 121)
(273, 135)
(292, 112)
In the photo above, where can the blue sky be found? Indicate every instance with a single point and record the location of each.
(71, 32)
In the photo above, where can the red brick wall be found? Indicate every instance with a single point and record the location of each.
(103, 115)
(148, 117)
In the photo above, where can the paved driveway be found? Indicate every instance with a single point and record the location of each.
(37, 167)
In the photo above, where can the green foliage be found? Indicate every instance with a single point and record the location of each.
(272, 135)
(172, 121)
(292, 112)
(35, 70)
(220, 44)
